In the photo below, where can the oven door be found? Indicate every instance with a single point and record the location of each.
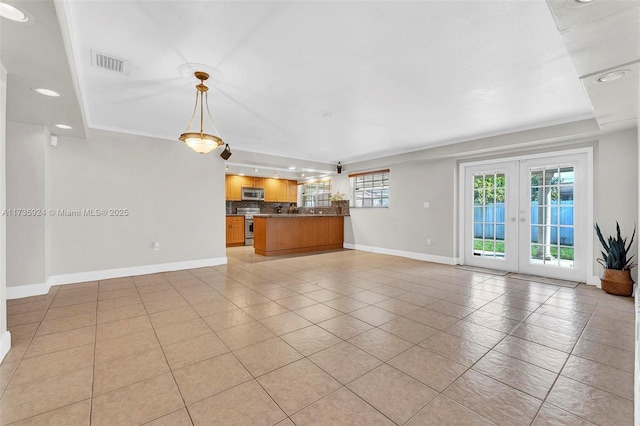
(248, 232)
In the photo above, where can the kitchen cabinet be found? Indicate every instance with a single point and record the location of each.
(235, 231)
(253, 182)
(275, 190)
(275, 235)
(272, 191)
(233, 187)
(280, 190)
(283, 191)
(235, 183)
(293, 191)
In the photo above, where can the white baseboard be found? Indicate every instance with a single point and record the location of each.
(26, 290)
(5, 344)
(594, 280)
(408, 254)
(16, 292)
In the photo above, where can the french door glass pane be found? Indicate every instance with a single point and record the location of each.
(489, 215)
(552, 216)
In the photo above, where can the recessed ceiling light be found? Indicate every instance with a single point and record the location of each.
(240, 174)
(584, 1)
(255, 170)
(292, 168)
(47, 92)
(63, 126)
(612, 76)
(13, 13)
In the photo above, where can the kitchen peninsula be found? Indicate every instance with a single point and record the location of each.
(278, 234)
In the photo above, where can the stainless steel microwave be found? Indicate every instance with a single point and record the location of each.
(252, 194)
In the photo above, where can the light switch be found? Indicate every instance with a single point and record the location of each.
(426, 204)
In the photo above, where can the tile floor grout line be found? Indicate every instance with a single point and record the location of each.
(464, 318)
(22, 358)
(544, 401)
(489, 377)
(253, 378)
(28, 345)
(165, 360)
(95, 344)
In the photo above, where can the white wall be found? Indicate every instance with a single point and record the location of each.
(25, 150)
(636, 394)
(404, 227)
(5, 336)
(615, 189)
(173, 196)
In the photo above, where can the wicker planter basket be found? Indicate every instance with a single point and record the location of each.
(618, 282)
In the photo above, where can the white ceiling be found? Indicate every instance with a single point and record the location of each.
(343, 81)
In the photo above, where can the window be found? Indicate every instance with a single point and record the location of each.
(370, 189)
(316, 194)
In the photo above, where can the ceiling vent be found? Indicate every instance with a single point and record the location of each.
(110, 63)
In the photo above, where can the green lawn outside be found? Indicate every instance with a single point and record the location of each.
(566, 253)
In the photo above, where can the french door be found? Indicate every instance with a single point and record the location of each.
(528, 216)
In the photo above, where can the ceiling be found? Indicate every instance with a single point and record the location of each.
(325, 81)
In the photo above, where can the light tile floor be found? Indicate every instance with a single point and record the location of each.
(336, 338)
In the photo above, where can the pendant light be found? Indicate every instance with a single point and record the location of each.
(201, 142)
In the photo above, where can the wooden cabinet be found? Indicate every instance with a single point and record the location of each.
(253, 182)
(273, 235)
(280, 190)
(233, 187)
(271, 190)
(235, 231)
(275, 190)
(283, 191)
(293, 191)
(235, 183)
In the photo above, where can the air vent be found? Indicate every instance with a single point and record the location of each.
(110, 63)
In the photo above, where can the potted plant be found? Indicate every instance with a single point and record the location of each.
(617, 263)
(338, 200)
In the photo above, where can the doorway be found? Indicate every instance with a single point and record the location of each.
(528, 215)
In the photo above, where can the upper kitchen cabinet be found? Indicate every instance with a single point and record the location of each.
(233, 186)
(293, 191)
(272, 190)
(280, 190)
(253, 182)
(275, 190)
(235, 183)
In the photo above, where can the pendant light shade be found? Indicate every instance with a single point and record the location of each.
(201, 142)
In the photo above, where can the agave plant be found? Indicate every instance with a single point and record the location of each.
(616, 250)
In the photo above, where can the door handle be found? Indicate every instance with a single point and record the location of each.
(513, 219)
(522, 219)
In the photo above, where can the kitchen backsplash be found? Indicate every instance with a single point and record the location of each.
(337, 207)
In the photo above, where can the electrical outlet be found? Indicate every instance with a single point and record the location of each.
(428, 241)
(156, 246)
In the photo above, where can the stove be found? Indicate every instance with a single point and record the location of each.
(248, 213)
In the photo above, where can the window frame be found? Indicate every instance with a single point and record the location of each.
(322, 195)
(361, 183)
